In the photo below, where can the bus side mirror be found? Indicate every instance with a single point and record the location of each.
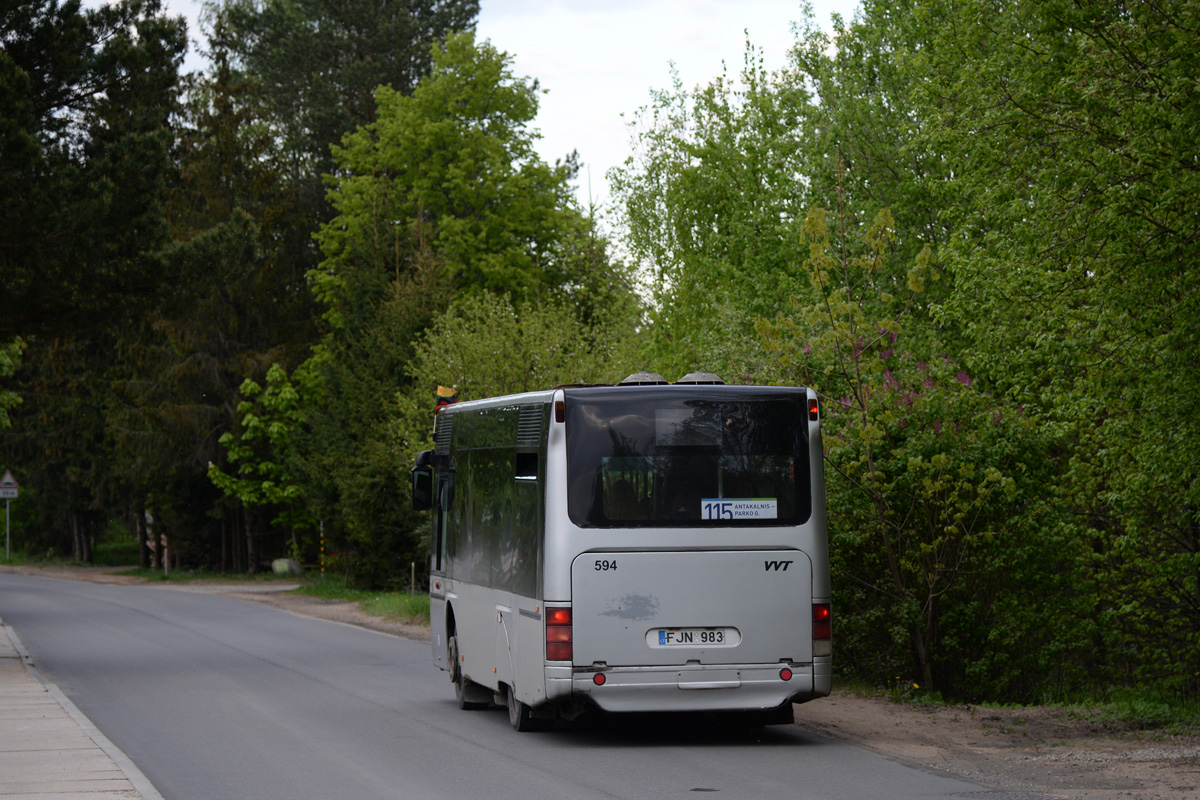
(422, 482)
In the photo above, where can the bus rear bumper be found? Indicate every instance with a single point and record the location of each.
(734, 687)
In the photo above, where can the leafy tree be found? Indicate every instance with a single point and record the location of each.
(317, 64)
(928, 480)
(442, 195)
(271, 416)
(864, 149)
(713, 198)
(452, 168)
(1067, 128)
(305, 72)
(175, 391)
(485, 346)
(85, 104)
(10, 357)
(711, 202)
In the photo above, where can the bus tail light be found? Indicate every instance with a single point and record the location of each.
(822, 621)
(813, 409)
(558, 634)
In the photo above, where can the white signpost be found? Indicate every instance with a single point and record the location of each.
(8, 490)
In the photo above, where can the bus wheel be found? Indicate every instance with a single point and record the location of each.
(521, 718)
(469, 694)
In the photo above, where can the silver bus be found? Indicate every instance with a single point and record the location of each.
(639, 547)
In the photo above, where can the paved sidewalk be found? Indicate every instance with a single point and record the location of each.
(48, 749)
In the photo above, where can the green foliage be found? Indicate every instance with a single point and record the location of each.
(85, 102)
(1068, 128)
(929, 491)
(317, 64)
(711, 202)
(264, 450)
(10, 357)
(441, 197)
(85, 99)
(392, 606)
(486, 346)
(451, 169)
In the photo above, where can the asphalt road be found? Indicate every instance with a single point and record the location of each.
(217, 698)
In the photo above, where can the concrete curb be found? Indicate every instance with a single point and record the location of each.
(49, 750)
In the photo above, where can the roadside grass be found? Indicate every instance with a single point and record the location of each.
(1142, 710)
(188, 575)
(412, 609)
(104, 554)
(1124, 709)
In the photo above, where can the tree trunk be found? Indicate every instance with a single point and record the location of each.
(918, 640)
(155, 546)
(235, 541)
(76, 539)
(160, 545)
(139, 519)
(251, 546)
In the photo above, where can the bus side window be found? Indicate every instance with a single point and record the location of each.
(527, 467)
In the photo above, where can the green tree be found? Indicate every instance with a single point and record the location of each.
(10, 357)
(304, 73)
(263, 452)
(442, 195)
(451, 168)
(711, 203)
(1068, 129)
(485, 346)
(316, 65)
(928, 485)
(85, 104)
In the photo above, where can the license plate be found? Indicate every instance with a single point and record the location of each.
(693, 637)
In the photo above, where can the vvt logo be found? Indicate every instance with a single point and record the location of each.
(778, 566)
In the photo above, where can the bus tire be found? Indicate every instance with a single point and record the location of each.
(470, 695)
(521, 718)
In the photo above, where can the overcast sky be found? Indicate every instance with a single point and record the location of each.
(600, 59)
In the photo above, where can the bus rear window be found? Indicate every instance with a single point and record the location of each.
(687, 456)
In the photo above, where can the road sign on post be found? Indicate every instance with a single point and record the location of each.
(8, 486)
(8, 491)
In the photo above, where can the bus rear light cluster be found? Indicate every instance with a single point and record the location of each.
(558, 634)
(822, 621)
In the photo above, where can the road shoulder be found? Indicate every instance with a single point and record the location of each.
(48, 748)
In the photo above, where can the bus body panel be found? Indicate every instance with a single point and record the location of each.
(437, 620)
(499, 635)
(673, 608)
(738, 687)
(528, 656)
(817, 546)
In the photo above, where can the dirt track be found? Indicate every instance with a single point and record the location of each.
(1029, 752)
